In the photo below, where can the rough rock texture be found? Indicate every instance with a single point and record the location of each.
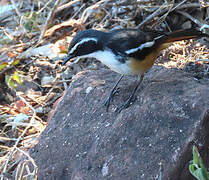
(84, 142)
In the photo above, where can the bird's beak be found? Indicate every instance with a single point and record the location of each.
(67, 58)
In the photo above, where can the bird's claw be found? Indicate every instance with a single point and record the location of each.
(123, 106)
(108, 100)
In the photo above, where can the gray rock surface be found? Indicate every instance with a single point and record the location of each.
(84, 142)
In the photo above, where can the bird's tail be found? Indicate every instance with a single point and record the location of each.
(183, 35)
(167, 39)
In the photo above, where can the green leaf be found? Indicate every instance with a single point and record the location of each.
(9, 81)
(197, 167)
(34, 16)
(3, 65)
(15, 62)
(17, 78)
(195, 155)
(191, 168)
(203, 169)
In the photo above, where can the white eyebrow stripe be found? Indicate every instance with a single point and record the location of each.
(147, 44)
(81, 42)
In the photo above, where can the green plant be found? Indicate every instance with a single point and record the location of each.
(31, 21)
(13, 80)
(197, 167)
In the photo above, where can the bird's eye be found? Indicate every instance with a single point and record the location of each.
(84, 47)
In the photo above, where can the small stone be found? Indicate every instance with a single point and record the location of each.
(186, 25)
(89, 89)
(46, 81)
(105, 169)
(67, 74)
(39, 110)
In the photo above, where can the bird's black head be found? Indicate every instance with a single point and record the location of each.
(85, 43)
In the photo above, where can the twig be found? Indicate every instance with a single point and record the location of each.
(16, 9)
(19, 172)
(44, 6)
(20, 137)
(20, 15)
(67, 5)
(51, 102)
(204, 60)
(185, 6)
(7, 139)
(196, 21)
(85, 16)
(64, 82)
(154, 14)
(163, 9)
(52, 88)
(162, 18)
(79, 10)
(189, 5)
(48, 21)
(171, 9)
(204, 26)
(9, 35)
(178, 5)
(31, 160)
(4, 147)
(34, 111)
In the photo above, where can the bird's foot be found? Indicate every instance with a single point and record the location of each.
(125, 105)
(108, 100)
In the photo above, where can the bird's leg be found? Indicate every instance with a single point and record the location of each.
(128, 101)
(112, 92)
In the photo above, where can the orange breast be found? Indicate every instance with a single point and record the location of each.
(139, 67)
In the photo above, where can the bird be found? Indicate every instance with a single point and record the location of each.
(125, 51)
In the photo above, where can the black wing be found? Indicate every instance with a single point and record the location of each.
(122, 40)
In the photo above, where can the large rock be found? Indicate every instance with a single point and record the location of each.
(84, 142)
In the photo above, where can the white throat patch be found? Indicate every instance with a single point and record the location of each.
(110, 60)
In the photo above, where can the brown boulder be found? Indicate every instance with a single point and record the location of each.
(84, 142)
